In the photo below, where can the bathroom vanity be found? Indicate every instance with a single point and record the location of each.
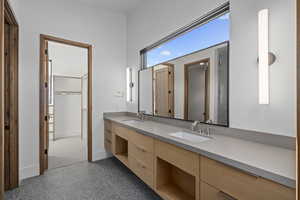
(217, 168)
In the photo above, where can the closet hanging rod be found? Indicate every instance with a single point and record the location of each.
(66, 77)
(68, 93)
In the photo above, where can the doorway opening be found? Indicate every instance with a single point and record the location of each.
(197, 90)
(65, 102)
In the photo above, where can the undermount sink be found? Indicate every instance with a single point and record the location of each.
(132, 120)
(190, 137)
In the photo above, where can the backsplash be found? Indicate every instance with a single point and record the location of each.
(260, 137)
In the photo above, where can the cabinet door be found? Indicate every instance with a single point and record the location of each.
(210, 193)
(142, 170)
(242, 185)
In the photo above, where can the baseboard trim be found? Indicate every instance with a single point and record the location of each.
(100, 155)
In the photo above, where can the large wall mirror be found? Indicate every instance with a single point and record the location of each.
(186, 76)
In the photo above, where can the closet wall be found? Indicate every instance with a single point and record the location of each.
(67, 106)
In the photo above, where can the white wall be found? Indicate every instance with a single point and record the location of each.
(67, 108)
(68, 60)
(145, 28)
(280, 116)
(106, 31)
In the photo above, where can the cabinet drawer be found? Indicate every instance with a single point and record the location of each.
(240, 184)
(108, 145)
(140, 153)
(107, 125)
(183, 159)
(107, 135)
(142, 142)
(142, 170)
(208, 192)
(121, 131)
(270, 190)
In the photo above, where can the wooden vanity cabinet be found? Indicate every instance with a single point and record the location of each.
(178, 174)
(232, 183)
(108, 136)
(120, 143)
(134, 150)
(141, 157)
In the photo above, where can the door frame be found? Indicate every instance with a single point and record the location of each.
(8, 15)
(298, 101)
(186, 90)
(44, 39)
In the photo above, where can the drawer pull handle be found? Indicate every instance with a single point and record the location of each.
(141, 149)
(141, 165)
(227, 196)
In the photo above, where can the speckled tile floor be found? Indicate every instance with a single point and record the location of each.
(104, 180)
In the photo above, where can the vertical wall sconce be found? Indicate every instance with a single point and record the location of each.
(265, 58)
(129, 85)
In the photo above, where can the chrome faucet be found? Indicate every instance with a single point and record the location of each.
(141, 115)
(204, 131)
(195, 125)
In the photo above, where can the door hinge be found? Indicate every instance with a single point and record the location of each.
(6, 127)
(46, 84)
(46, 151)
(46, 52)
(46, 118)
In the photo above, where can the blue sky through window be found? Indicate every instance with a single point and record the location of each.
(214, 32)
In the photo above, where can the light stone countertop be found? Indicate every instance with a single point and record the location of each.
(270, 162)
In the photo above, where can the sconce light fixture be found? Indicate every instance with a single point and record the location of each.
(265, 58)
(129, 85)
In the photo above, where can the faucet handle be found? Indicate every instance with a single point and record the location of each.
(194, 125)
(142, 112)
(208, 129)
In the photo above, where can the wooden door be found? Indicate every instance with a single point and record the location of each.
(8, 99)
(11, 150)
(164, 92)
(1, 100)
(6, 107)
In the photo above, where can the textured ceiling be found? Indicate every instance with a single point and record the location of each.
(116, 5)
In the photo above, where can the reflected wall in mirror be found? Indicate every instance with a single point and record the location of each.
(145, 91)
(193, 87)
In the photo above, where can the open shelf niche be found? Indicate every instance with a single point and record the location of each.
(121, 149)
(173, 183)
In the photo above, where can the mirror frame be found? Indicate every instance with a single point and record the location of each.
(228, 92)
